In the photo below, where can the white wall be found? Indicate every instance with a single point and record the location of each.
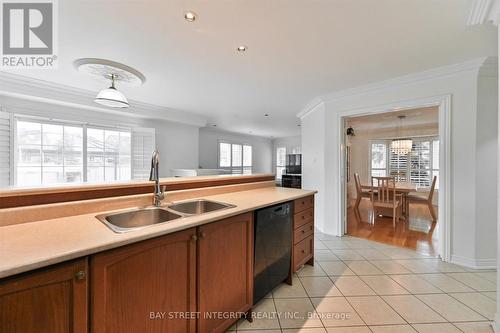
(177, 143)
(461, 82)
(486, 165)
(209, 142)
(291, 143)
(313, 163)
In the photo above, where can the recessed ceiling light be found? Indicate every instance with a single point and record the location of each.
(266, 115)
(190, 16)
(214, 125)
(242, 48)
(298, 125)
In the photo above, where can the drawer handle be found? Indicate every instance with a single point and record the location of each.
(80, 275)
(303, 217)
(303, 251)
(303, 231)
(303, 202)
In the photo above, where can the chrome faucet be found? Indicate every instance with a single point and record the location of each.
(159, 193)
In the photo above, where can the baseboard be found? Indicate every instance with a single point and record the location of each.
(474, 263)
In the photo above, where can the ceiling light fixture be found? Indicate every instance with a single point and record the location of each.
(401, 146)
(242, 48)
(190, 16)
(266, 115)
(111, 96)
(116, 72)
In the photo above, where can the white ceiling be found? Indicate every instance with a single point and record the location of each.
(297, 50)
(419, 117)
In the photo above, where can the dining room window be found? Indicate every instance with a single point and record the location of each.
(378, 156)
(417, 167)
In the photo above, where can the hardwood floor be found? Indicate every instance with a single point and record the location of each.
(419, 233)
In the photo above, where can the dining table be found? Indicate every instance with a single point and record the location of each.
(402, 188)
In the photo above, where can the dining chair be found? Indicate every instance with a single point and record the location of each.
(424, 198)
(360, 193)
(386, 197)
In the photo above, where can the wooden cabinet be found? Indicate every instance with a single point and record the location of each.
(52, 300)
(225, 271)
(303, 235)
(146, 287)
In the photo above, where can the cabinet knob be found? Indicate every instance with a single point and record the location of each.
(80, 275)
(194, 237)
(303, 231)
(203, 235)
(303, 251)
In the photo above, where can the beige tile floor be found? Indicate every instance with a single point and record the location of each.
(360, 286)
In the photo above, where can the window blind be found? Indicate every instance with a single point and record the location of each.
(5, 149)
(143, 145)
(420, 163)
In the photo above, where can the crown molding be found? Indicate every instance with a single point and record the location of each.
(483, 11)
(310, 107)
(22, 87)
(489, 67)
(487, 64)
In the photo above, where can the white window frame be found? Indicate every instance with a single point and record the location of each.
(278, 165)
(42, 120)
(239, 169)
(370, 155)
(108, 128)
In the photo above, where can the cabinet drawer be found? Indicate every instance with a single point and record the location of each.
(302, 204)
(303, 251)
(303, 217)
(302, 232)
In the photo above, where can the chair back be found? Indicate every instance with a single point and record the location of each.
(433, 187)
(358, 183)
(385, 187)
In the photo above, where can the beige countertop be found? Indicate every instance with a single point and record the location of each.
(27, 246)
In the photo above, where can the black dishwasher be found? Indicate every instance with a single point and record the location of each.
(272, 248)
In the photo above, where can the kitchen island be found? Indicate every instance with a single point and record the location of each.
(196, 264)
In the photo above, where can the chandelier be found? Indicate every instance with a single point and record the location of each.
(401, 146)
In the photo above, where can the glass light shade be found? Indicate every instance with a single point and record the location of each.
(401, 146)
(112, 98)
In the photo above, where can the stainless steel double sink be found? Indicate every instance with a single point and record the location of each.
(140, 218)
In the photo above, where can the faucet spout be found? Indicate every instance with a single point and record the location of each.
(154, 175)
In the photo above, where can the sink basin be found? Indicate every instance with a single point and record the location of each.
(196, 207)
(137, 219)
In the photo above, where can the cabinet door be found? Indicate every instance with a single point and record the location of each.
(146, 287)
(225, 273)
(53, 300)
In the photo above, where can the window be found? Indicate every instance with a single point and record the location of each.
(280, 161)
(108, 155)
(420, 160)
(378, 159)
(50, 152)
(418, 167)
(398, 165)
(235, 158)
